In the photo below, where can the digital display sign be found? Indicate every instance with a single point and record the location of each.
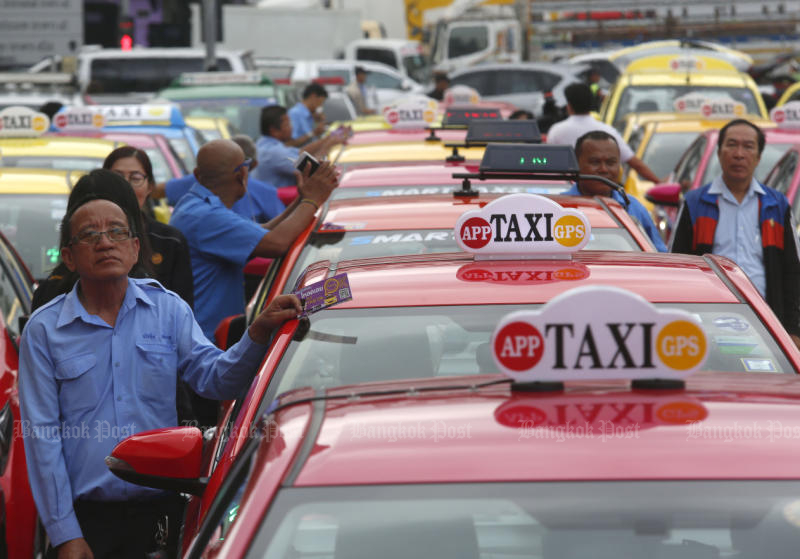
(462, 116)
(506, 131)
(520, 158)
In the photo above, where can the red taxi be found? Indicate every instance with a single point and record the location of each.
(423, 324)
(17, 511)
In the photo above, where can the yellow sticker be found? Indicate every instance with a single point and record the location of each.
(157, 258)
(569, 231)
(39, 123)
(681, 345)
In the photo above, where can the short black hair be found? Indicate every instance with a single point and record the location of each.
(314, 89)
(735, 122)
(441, 76)
(521, 114)
(579, 97)
(359, 70)
(271, 118)
(595, 135)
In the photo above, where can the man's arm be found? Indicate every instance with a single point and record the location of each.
(681, 241)
(644, 171)
(791, 277)
(638, 211)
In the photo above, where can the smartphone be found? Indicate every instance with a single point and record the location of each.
(305, 159)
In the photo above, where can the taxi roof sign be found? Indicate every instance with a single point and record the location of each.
(599, 332)
(461, 95)
(519, 131)
(526, 158)
(522, 226)
(78, 118)
(786, 116)
(416, 112)
(682, 63)
(221, 78)
(22, 122)
(460, 117)
(143, 115)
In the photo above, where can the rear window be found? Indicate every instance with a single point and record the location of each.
(31, 223)
(130, 75)
(384, 56)
(467, 40)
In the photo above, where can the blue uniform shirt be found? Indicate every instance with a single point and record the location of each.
(84, 386)
(260, 203)
(738, 233)
(302, 120)
(637, 211)
(275, 162)
(220, 244)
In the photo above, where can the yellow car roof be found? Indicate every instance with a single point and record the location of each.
(18, 180)
(722, 79)
(682, 64)
(57, 146)
(401, 152)
(649, 45)
(787, 95)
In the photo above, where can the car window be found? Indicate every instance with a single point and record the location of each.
(772, 152)
(467, 40)
(342, 73)
(780, 178)
(11, 305)
(161, 171)
(383, 80)
(385, 56)
(517, 81)
(338, 109)
(483, 81)
(242, 112)
(664, 150)
(129, 74)
(687, 166)
(31, 224)
(350, 192)
(184, 151)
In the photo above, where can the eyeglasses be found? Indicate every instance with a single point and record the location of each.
(135, 178)
(115, 235)
(245, 163)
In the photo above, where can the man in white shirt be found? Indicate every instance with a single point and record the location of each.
(579, 122)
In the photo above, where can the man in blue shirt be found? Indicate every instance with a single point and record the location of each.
(276, 159)
(221, 242)
(99, 364)
(307, 123)
(598, 154)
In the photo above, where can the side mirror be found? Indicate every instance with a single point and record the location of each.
(230, 330)
(668, 194)
(406, 85)
(169, 459)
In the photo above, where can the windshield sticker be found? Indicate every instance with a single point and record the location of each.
(735, 345)
(324, 294)
(732, 323)
(759, 365)
(429, 237)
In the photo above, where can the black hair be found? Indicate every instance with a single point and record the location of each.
(521, 114)
(130, 151)
(271, 118)
(359, 70)
(595, 135)
(759, 133)
(314, 89)
(579, 97)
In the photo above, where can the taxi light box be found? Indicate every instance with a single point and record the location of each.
(598, 332)
(22, 122)
(526, 158)
(462, 116)
(483, 132)
(78, 118)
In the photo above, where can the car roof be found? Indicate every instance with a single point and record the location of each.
(401, 151)
(708, 79)
(553, 68)
(140, 139)
(19, 180)
(57, 145)
(390, 135)
(419, 175)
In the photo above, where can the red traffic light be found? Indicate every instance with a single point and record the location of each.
(126, 42)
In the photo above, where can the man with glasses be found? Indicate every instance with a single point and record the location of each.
(222, 242)
(99, 364)
(740, 218)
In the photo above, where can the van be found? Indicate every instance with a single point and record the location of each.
(405, 56)
(109, 75)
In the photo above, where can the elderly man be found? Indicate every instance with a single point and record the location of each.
(221, 242)
(738, 217)
(598, 154)
(100, 363)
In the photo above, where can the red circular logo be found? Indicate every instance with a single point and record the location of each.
(519, 346)
(476, 232)
(779, 116)
(681, 105)
(392, 117)
(61, 120)
(706, 110)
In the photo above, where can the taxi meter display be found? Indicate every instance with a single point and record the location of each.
(524, 158)
(21, 122)
(460, 117)
(483, 132)
(522, 226)
(78, 118)
(599, 332)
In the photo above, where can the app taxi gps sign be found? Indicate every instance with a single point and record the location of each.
(22, 122)
(416, 112)
(461, 95)
(598, 333)
(117, 113)
(786, 116)
(521, 226)
(78, 118)
(722, 108)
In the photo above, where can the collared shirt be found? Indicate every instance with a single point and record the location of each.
(260, 203)
(637, 211)
(84, 386)
(220, 244)
(275, 162)
(302, 120)
(569, 130)
(738, 235)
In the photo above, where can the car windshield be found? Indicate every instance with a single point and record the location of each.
(70, 163)
(31, 223)
(143, 74)
(343, 346)
(417, 68)
(664, 150)
(350, 192)
(244, 113)
(553, 520)
(184, 150)
(661, 99)
(772, 152)
(335, 247)
(161, 170)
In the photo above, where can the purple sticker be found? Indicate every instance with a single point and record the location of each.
(325, 293)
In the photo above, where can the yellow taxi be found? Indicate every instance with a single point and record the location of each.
(792, 93)
(32, 203)
(659, 139)
(670, 83)
(212, 128)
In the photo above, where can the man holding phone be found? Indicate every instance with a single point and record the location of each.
(276, 159)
